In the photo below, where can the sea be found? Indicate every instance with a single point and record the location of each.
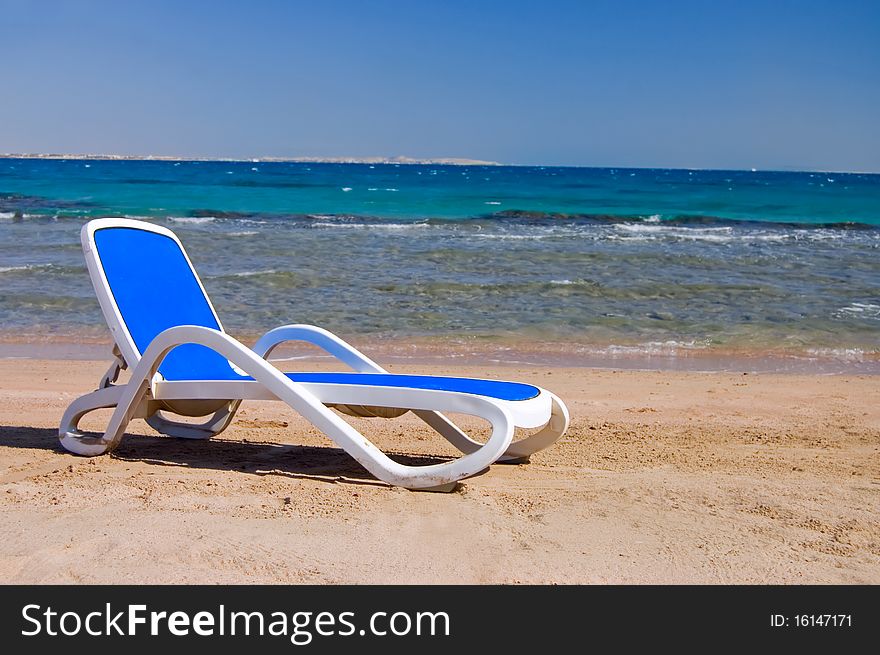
(643, 268)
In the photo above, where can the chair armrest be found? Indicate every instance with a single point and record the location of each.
(323, 339)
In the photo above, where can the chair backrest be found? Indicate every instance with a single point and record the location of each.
(145, 284)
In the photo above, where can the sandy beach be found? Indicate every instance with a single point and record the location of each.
(664, 477)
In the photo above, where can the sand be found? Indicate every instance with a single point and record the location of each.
(664, 477)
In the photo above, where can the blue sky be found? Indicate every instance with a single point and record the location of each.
(772, 84)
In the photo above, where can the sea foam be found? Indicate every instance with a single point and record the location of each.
(192, 220)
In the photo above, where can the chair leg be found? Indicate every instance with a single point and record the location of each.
(519, 451)
(130, 401)
(214, 425)
(448, 430)
(71, 438)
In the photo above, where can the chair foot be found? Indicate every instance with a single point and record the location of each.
(525, 459)
(78, 443)
(449, 487)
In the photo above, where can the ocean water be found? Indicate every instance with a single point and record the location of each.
(609, 262)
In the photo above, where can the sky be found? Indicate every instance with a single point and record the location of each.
(776, 84)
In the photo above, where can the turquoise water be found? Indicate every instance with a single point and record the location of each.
(612, 260)
(151, 188)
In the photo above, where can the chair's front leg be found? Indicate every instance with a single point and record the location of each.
(435, 477)
(520, 450)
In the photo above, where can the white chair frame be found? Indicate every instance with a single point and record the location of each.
(149, 396)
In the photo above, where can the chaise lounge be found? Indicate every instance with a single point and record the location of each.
(183, 364)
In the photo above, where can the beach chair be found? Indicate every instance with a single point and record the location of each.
(182, 363)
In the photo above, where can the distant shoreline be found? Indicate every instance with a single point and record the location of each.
(442, 161)
(400, 160)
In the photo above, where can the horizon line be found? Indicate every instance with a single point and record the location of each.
(400, 160)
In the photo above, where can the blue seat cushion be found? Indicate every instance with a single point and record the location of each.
(155, 288)
(489, 388)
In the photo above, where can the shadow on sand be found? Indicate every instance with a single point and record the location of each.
(321, 463)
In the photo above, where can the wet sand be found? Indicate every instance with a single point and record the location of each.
(663, 477)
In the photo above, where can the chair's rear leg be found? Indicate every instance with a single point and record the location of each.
(106, 396)
(74, 440)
